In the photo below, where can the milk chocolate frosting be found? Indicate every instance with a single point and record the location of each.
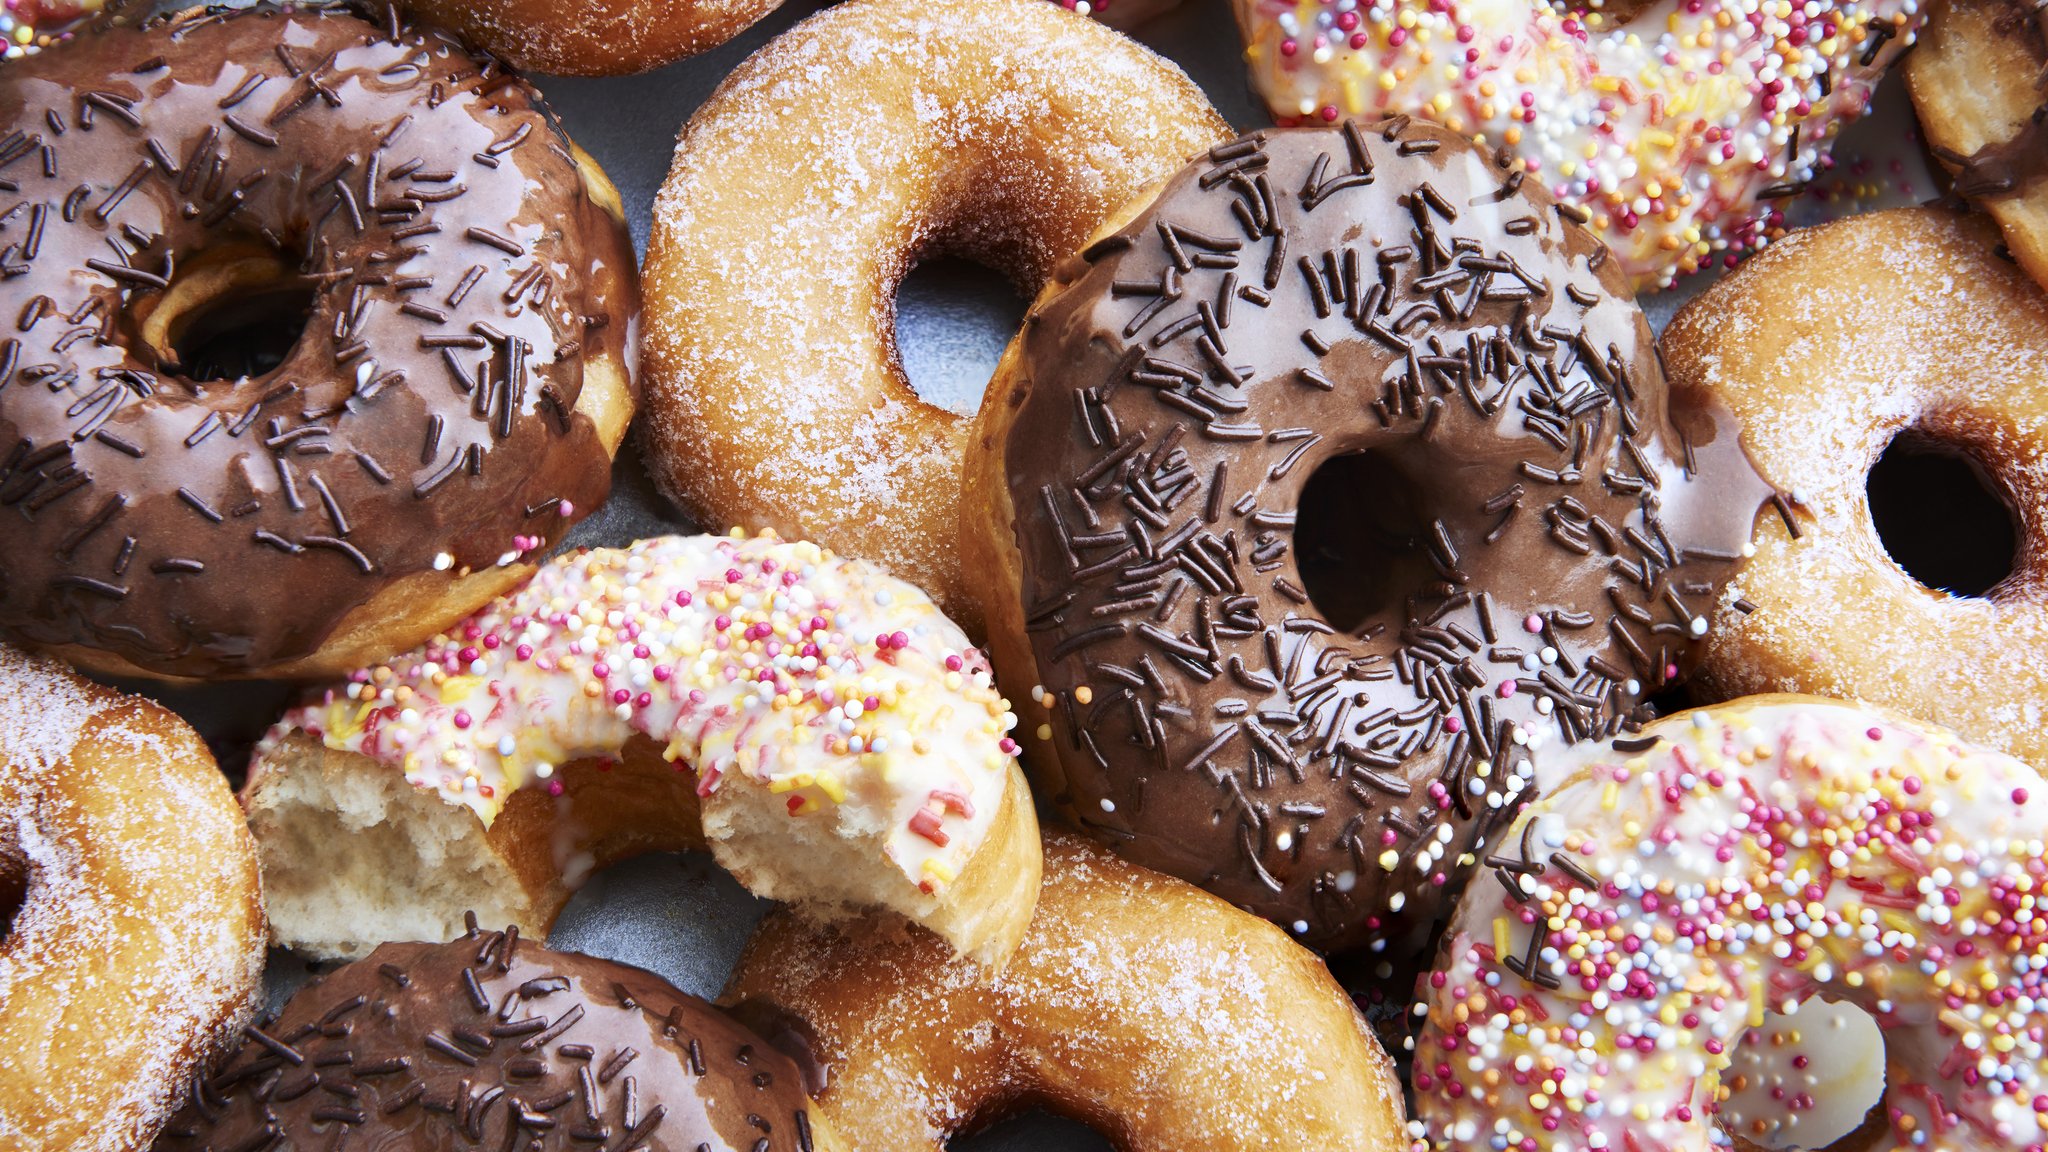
(490, 1043)
(1531, 544)
(458, 273)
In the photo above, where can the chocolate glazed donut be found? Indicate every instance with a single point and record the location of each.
(470, 308)
(1525, 535)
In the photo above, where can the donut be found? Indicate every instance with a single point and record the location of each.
(133, 947)
(490, 1042)
(836, 740)
(868, 137)
(192, 490)
(1543, 528)
(593, 37)
(1674, 124)
(1789, 344)
(1672, 887)
(1976, 84)
(1139, 1005)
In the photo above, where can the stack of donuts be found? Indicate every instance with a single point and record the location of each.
(1352, 683)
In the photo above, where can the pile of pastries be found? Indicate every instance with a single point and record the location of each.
(1326, 574)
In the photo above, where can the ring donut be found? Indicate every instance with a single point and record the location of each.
(831, 735)
(1318, 708)
(1161, 1016)
(1976, 85)
(464, 373)
(1670, 888)
(593, 37)
(868, 137)
(1960, 364)
(1675, 124)
(134, 950)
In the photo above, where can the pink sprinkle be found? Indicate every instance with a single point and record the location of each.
(662, 672)
(2019, 795)
(1454, 724)
(1507, 689)
(732, 575)
(524, 651)
(461, 718)
(555, 788)
(600, 670)
(953, 663)
(621, 696)
(1533, 624)
(722, 623)
(682, 599)
(567, 510)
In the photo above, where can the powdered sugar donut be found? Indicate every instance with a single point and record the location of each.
(1831, 347)
(135, 948)
(872, 135)
(1672, 888)
(1672, 126)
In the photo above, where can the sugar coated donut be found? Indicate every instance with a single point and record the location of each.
(1959, 363)
(134, 947)
(1674, 124)
(1528, 542)
(835, 738)
(1673, 887)
(867, 137)
(1976, 84)
(594, 37)
(180, 503)
(488, 1042)
(1161, 1016)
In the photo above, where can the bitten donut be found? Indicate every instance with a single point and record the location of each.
(1976, 84)
(834, 738)
(864, 139)
(488, 1042)
(1159, 1015)
(1960, 365)
(1673, 123)
(134, 943)
(1520, 536)
(1675, 886)
(593, 37)
(192, 490)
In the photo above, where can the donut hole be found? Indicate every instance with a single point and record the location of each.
(1361, 536)
(1942, 515)
(233, 314)
(1809, 1079)
(954, 317)
(1028, 1129)
(14, 878)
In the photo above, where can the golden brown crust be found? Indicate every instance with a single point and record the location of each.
(1158, 1014)
(806, 188)
(1976, 84)
(137, 950)
(594, 37)
(1827, 346)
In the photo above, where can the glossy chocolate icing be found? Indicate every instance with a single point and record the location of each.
(489, 1043)
(458, 271)
(1298, 296)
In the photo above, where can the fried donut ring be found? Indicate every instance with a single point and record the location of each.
(1533, 546)
(1156, 1013)
(136, 944)
(1976, 85)
(1674, 123)
(872, 135)
(594, 37)
(1960, 360)
(820, 723)
(1670, 889)
(465, 372)
(478, 1043)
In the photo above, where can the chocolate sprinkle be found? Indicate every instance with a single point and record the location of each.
(1492, 372)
